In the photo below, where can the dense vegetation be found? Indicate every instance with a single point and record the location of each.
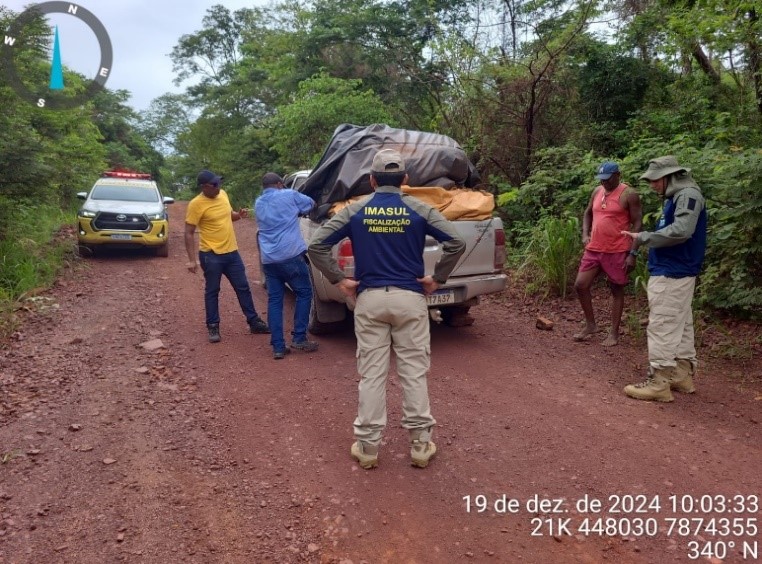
(538, 92)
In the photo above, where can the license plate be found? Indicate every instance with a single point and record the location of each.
(121, 236)
(441, 297)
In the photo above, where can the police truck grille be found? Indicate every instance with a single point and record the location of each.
(121, 221)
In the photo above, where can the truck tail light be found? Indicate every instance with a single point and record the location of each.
(346, 258)
(499, 249)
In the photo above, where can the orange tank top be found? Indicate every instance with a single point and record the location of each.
(609, 219)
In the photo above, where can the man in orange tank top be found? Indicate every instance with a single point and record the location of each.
(612, 204)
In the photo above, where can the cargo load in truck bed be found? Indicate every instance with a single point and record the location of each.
(343, 170)
(456, 204)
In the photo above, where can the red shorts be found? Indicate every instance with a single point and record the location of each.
(612, 265)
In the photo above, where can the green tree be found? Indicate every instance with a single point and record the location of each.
(384, 44)
(720, 39)
(166, 117)
(124, 144)
(212, 56)
(612, 89)
(301, 129)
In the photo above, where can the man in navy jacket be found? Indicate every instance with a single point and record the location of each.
(388, 231)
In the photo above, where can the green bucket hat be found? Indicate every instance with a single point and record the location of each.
(661, 167)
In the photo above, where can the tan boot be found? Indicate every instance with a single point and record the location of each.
(422, 448)
(682, 381)
(365, 454)
(656, 387)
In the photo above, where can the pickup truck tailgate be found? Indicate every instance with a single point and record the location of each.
(479, 257)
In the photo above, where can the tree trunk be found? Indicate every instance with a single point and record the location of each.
(529, 117)
(705, 63)
(755, 58)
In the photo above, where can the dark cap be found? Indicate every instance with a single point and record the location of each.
(388, 160)
(606, 170)
(271, 179)
(207, 177)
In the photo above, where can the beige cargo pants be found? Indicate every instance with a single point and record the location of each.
(670, 321)
(391, 317)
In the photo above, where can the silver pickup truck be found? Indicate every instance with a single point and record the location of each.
(479, 272)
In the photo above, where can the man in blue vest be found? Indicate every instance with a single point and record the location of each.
(388, 231)
(675, 258)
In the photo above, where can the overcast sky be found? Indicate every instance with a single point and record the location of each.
(142, 32)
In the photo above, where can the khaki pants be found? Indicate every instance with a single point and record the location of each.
(670, 322)
(391, 317)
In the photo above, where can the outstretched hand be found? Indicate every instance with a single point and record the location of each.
(630, 234)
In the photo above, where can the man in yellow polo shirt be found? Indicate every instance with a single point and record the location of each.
(213, 215)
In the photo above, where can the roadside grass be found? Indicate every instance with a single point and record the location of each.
(633, 321)
(548, 255)
(36, 247)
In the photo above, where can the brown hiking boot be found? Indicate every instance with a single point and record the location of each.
(422, 448)
(421, 453)
(655, 388)
(682, 380)
(365, 454)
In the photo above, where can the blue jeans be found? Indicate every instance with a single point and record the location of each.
(231, 265)
(294, 273)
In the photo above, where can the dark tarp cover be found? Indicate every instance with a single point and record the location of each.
(343, 171)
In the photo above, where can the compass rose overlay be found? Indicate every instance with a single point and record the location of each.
(54, 95)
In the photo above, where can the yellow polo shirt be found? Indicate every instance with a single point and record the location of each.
(211, 216)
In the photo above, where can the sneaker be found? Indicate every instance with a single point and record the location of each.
(214, 333)
(365, 454)
(279, 355)
(422, 452)
(306, 346)
(258, 326)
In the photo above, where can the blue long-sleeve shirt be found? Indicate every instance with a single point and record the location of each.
(277, 211)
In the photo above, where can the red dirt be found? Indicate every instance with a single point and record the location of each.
(218, 453)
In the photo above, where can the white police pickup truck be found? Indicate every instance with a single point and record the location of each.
(479, 272)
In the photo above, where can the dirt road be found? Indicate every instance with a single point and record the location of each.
(217, 453)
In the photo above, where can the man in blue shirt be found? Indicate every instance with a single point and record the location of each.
(282, 250)
(676, 255)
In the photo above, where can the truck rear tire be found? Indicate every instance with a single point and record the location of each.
(317, 327)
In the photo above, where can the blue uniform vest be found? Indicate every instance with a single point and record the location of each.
(683, 260)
